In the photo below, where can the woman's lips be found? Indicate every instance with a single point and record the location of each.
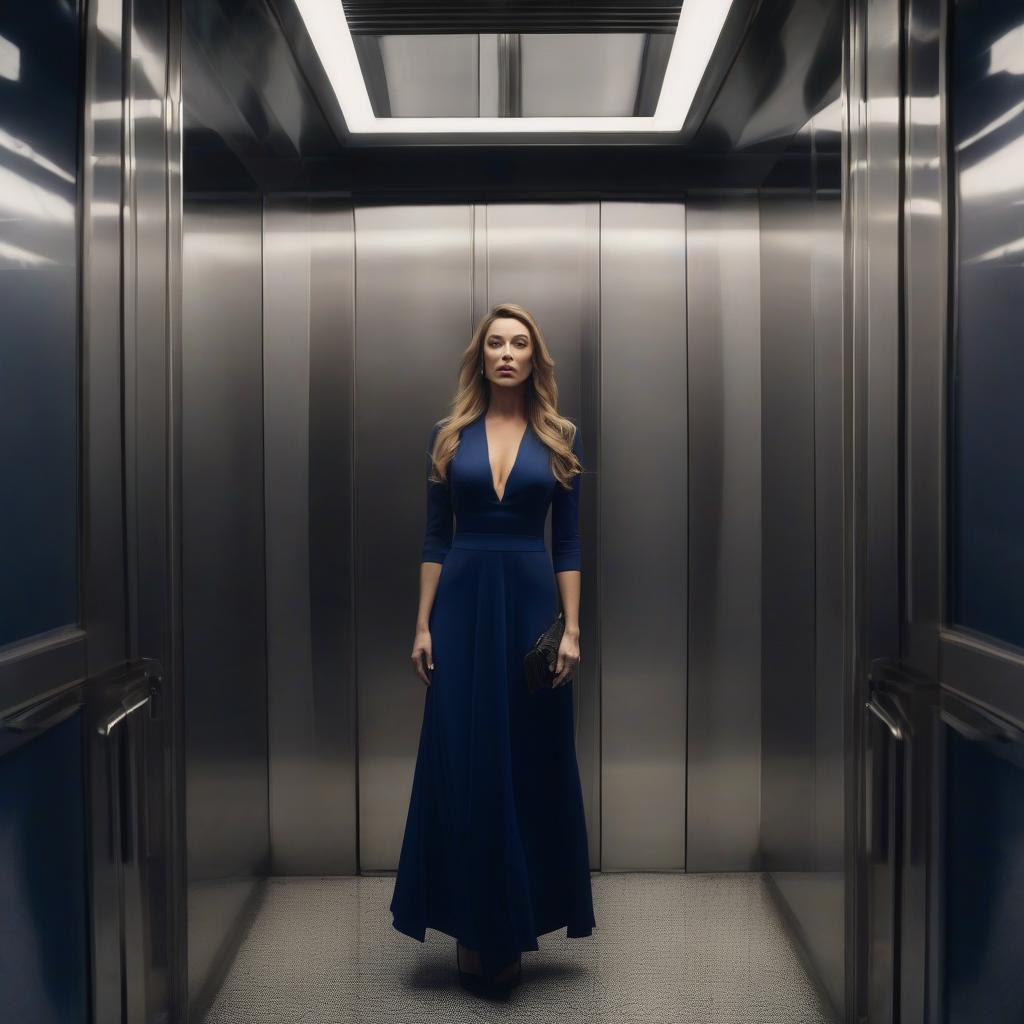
(509, 371)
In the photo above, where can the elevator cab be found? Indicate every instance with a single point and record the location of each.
(775, 249)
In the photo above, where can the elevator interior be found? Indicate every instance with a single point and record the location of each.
(691, 291)
(233, 305)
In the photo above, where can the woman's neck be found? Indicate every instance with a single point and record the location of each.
(508, 403)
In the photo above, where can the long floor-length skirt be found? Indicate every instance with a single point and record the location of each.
(495, 845)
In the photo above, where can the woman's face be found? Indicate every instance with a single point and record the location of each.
(508, 352)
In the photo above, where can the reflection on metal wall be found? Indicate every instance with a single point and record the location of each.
(982, 845)
(829, 582)
(223, 578)
(308, 285)
(724, 732)
(981, 656)
(644, 481)
(788, 649)
(876, 580)
(45, 954)
(39, 74)
(802, 805)
(987, 500)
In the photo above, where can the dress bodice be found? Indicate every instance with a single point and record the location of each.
(531, 489)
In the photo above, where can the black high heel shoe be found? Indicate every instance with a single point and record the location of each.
(488, 984)
(470, 980)
(512, 979)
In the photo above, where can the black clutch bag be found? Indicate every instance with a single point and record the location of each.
(544, 652)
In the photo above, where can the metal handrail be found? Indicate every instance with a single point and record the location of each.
(129, 703)
(49, 711)
(890, 722)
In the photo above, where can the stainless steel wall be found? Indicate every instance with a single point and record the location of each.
(224, 597)
(802, 801)
(724, 734)
(308, 270)
(887, 155)
(364, 315)
(643, 479)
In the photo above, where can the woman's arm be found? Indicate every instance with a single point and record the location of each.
(566, 561)
(437, 542)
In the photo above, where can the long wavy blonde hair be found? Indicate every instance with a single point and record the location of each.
(473, 394)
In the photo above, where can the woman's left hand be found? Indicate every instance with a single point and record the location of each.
(568, 657)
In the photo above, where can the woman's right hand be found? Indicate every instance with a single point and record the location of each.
(422, 654)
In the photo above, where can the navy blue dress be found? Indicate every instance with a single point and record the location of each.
(495, 845)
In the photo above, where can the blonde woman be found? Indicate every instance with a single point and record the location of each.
(494, 852)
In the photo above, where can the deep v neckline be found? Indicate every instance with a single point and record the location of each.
(515, 461)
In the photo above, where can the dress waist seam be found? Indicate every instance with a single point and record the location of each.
(498, 541)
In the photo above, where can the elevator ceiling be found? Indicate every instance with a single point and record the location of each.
(263, 107)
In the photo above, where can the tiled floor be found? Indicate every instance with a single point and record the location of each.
(671, 948)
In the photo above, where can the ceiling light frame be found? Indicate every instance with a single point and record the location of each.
(697, 33)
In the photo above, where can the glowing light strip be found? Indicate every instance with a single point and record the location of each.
(700, 25)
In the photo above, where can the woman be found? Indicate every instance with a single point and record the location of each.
(495, 846)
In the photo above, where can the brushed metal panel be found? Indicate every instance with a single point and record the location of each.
(725, 448)
(150, 258)
(223, 572)
(926, 281)
(130, 217)
(37, 226)
(250, 114)
(786, 66)
(787, 832)
(881, 173)
(177, 951)
(308, 283)
(286, 299)
(873, 165)
(103, 594)
(643, 521)
(331, 512)
(146, 309)
(829, 884)
(804, 776)
(413, 319)
(546, 256)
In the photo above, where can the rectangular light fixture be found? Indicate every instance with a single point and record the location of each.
(699, 27)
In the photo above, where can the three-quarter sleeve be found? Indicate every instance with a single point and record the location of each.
(437, 537)
(565, 530)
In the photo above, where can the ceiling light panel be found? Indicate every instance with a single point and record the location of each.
(436, 83)
(583, 74)
(432, 76)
